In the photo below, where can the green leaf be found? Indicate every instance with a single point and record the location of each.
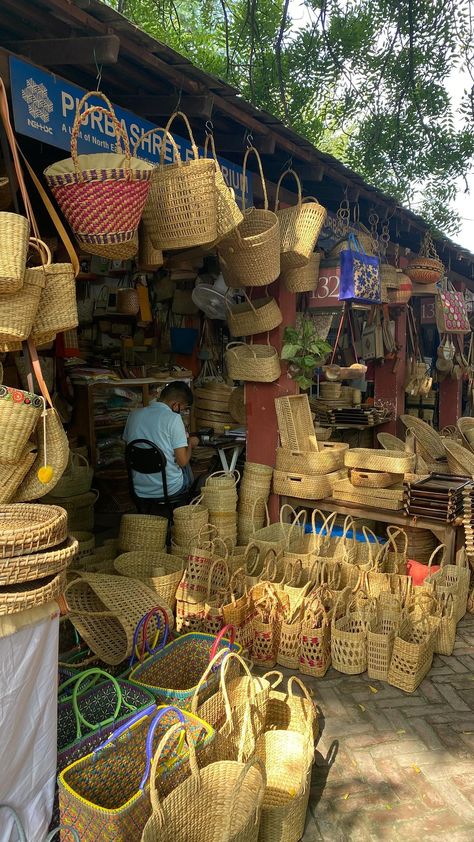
(303, 382)
(288, 351)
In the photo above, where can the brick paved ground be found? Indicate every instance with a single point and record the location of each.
(404, 763)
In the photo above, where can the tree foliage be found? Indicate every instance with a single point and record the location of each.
(371, 81)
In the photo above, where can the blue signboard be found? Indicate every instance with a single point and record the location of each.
(44, 107)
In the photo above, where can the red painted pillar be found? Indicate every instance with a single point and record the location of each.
(262, 429)
(389, 379)
(450, 392)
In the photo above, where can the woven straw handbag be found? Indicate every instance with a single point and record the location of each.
(412, 653)
(349, 635)
(315, 647)
(300, 226)
(381, 632)
(250, 255)
(253, 363)
(20, 412)
(251, 317)
(101, 195)
(18, 309)
(76, 479)
(219, 803)
(181, 210)
(229, 215)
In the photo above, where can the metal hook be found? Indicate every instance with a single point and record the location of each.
(177, 106)
(98, 79)
(248, 138)
(288, 165)
(209, 127)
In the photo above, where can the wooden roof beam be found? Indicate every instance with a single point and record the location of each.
(151, 105)
(48, 52)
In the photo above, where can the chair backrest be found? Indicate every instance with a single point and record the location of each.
(145, 457)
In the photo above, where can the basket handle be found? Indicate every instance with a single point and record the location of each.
(120, 134)
(207, 672)
(254, 151)
(293, 679)
(215, 646)
(154, 797)
(296, 178)
(5, 114)
(209, 141)
(134, 720)
(232, 474)
(60, 829)
(254, 761)
(270, 566)
(435, 553)
(223, 686)
(166, 136)
(42, 249)
(214, 564)
(80, 718)
(393, 533)
(189, 130)
(142, 626)
(293, 573)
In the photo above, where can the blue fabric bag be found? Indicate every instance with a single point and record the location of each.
(360, 275)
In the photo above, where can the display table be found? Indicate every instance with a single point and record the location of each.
(447, 533)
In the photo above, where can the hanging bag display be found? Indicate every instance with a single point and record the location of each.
(360, 275)
(451, 311)
(250, 255)
(14, 228)
(251, 317)
(181, 210)
(300, 226)
(18, 309)
(102, 195)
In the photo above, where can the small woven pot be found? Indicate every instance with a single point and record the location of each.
(305, 278)
(424, 270)
(128, 303)
(250, 254)
(253, 363)
(14, 237)
(252, 317)
(403, 292)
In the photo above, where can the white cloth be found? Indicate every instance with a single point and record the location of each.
(28, 719)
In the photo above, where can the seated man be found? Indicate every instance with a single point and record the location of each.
(160, 422)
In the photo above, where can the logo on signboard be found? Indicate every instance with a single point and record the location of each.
(37, 100)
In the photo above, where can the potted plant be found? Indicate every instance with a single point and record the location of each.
(304, 351)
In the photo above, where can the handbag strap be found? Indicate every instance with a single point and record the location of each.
(250, 150)
(5, 114)
(296, 177)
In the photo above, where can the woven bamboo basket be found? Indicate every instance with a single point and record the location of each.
(349, 637)
(12, 474)
(188, 520)
(14, 237)
(149, 258)
(452, 580)
(143, 532)
(412, 654)
(252, 317)
(102, 195)
(424, 270)
(295, 423)
(374, 479)
(389, 276)
(18, 309)
(57, 309)
(106, 609)
(229, 215)
(446, 633)
(304, 278)
(329, 458)
(315, 650)
(307, 487)
(39, 565)
(252, 363)
(159, 571)
(76, 479)
(237, 408)
(181, 209)
(403, 293)
(392, 461)
(250, 254)
(51, 435)
(300, 226)
(23, 597)
(85, 541)
(389, 442)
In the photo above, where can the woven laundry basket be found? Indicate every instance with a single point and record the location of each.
(159, 571)
(250, 255)
(304, 278)
(252, 363)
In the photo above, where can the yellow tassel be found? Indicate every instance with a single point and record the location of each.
(45, 474)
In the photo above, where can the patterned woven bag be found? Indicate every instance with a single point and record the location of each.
(360, 275)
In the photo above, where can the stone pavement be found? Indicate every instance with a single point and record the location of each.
(396, 766)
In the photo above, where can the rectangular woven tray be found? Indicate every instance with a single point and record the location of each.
(295, 423)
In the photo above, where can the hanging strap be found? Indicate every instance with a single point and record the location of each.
(36, 367)
(346, 314)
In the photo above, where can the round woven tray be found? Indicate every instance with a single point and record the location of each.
(237, 407)
(460, 459)
(392, 461)
(466, 428)
(26, 527)
(23, 597)
(25, 568)
(374, 479)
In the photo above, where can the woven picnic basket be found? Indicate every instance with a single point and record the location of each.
(412, 653)
(300, 226)
(101, 195)
(252, 363)
(219, 803)
(250, 255)
(105, 611)
(260, 315)
(181, 209)
(304, 278)
(158, 570)
(142, 532)
(106, 794)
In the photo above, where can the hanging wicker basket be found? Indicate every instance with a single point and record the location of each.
(18, 310)
(14, 237)
(250, 255)
(253, 363)
(252, 317)
(300, 226)
(305, 278)
(229, 215)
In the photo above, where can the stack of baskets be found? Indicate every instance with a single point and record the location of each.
(375, 469)
(219, 496)
(142, 532)
(254, 492)
(79, 508)
(211, 407)
(188, 522)
(35, 553)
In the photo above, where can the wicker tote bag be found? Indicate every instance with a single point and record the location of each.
(101, 195)
(219, 803)
(251, 317)
(300, 226)
(250, 255)
(229, 215)
(14, 228)
(18, 309)
(181, 210)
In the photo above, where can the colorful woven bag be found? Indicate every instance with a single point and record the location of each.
(360, 274)
(451, 311)
(102, 195)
